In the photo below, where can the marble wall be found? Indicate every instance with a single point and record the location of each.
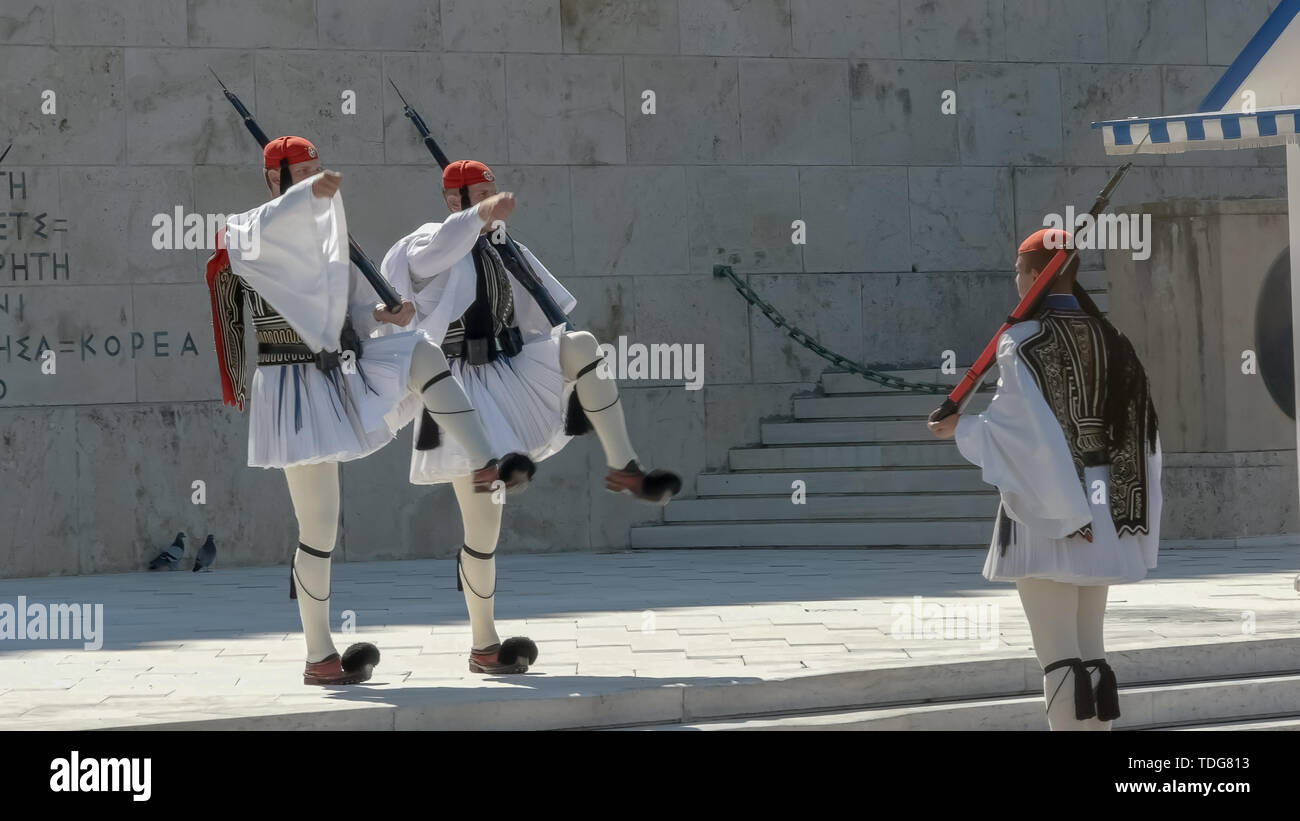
(766, 112)
(1190, 311)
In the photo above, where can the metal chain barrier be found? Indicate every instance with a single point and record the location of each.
(800, 336)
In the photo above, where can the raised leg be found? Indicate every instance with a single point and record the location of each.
(579, 358)
(595, 401)
(445, 399)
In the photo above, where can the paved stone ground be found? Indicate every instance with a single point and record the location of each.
(185, 647)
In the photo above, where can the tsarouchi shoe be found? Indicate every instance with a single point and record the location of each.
(657, 487)
(355, 666)
(511, 656)
(514, 469)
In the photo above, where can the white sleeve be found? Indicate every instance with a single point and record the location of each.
(558, 292)
(293, 251)
(362, 301)
(1020, 447)
(429, 254)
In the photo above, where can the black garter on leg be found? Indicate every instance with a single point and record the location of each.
(476, 555)
(576, 422)
(320, 554)
(428, 437)
(1084, 706)
(1107, 691)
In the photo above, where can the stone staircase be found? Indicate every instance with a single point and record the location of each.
(873, 475)
(1230, 685)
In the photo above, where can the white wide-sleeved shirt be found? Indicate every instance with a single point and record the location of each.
(1020, 447)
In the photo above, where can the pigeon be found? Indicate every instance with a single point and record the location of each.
(170, 558)
(206, 556)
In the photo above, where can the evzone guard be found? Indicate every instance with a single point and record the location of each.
(319, 395)
(517, 368)
(1070, 440)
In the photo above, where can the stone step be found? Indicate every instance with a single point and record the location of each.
(611, 704)
(884, 480)
(838, 383)
(944, 682)
(896, 405)
(844, 432)
(1141, 707)
(859, 507)
(986, 679)
(934, 453)
(834, 382)
(951, 533)
(1290, 723)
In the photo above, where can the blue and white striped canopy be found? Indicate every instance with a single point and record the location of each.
(1254, 104)
(1209, 130)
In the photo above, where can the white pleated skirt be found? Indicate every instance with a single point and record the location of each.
(299, 415)
(520, 400)
(1107, 559)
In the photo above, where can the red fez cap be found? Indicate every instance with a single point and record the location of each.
(463, 173)
(293, 149)
(1046, 239)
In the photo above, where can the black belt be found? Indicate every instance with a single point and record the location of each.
(270, 353)
(295, 353)
(482, 351)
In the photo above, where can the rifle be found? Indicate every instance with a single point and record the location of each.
(510, 253)
(385, 291)
(969, 384)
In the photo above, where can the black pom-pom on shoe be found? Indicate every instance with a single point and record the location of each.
(359, 655)
(662, 485)
(516, 469)
(576, 422)
(513, 649)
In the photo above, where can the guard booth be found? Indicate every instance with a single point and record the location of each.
(1212, 311)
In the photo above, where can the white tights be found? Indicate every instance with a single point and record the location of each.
(314, 490)
(481, 513)
(1065, 621)
(599, 397)
(481, 518)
